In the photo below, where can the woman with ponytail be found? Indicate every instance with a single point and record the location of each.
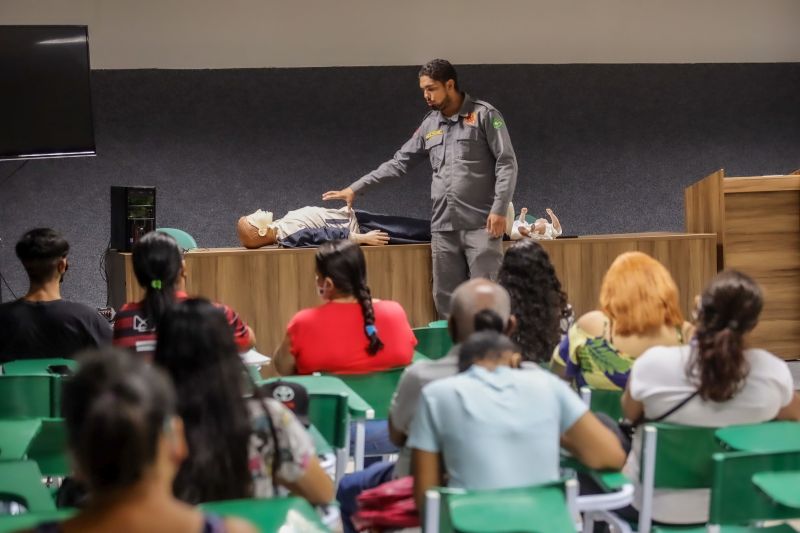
(161, 272)
(127, 443)
(350, 333)
(716, 381)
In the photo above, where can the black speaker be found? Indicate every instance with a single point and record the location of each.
(133, 213)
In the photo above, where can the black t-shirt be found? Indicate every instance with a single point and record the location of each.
(36, 330)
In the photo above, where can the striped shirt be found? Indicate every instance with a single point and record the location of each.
(132, 331)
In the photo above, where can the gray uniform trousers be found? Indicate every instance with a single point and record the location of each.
(461, 255)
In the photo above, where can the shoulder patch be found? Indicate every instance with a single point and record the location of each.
(487, 105)
(497, 123)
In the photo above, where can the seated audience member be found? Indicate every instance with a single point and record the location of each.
(537, 301)
(41, 324)
(238, 447)
(467, 300)
(350, 333)
(540, 229)
(638, 309)
(127, 443)
(480, 429)
(160, 270)
(716, 381)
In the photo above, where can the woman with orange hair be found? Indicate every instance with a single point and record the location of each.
(638, 310)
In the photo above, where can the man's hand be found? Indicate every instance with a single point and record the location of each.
(372, 238)
(345, 194)
(496, 225)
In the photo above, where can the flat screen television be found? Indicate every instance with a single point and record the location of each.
(45, 92)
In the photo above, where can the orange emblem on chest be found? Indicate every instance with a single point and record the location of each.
(471, 119)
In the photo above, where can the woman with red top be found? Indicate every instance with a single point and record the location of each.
(161, 271)
(350, 333)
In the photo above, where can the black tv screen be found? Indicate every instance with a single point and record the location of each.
(45, 95)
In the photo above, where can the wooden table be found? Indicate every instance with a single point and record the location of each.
(269, 285)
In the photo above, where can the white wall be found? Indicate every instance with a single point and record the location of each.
(304, 33)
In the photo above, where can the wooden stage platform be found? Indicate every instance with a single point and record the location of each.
(267, 286)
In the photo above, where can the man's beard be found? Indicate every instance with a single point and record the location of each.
(439, 107)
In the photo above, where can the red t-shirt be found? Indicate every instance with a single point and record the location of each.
(330, 338)
(132, 331)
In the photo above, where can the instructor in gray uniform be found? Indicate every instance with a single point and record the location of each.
(474, 175)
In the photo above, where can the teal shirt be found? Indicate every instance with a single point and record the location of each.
(496, 429)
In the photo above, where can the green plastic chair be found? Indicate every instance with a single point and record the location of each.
(22, 482)
(28, 396)
(674, 457)
(271, 515)
(10, 523)
(737, 502)
(548, 508)
(185, 241)
(433, 342)
(27, 367)
(16, 436)
(603, 401)
(329, 416)
(49, 448)
(778, 436)
(376, 388)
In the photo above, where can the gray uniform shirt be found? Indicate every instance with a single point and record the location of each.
(474, 166)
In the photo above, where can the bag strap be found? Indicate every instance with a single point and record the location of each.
(674, 408)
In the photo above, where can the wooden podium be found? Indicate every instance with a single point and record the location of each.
(757, 222)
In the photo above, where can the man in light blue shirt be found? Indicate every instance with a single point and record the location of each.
(494, 426)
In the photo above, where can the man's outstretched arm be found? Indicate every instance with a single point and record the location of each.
(408, 156)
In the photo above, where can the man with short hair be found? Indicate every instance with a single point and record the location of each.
(468, 300)
(474, 176)
(41, 324)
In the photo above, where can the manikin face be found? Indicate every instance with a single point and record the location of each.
(539, 226)
(257, 229)
(437, 95)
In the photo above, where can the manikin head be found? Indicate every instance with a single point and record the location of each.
(257, 229)
(439, 83)
(539, 226)
(43, 253)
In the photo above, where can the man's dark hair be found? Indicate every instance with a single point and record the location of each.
(39, 250)
(439, 70)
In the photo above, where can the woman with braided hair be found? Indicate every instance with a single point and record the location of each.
(716, 381)
(350, 333)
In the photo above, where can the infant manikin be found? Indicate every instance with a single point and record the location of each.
(540, 229)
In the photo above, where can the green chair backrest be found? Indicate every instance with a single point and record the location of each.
(433, 342)
(21, 481)
(49, 448)
(377, 389)
(18, 522)
(683, 455)
(538, 509)
(271, 514)
(734, 497)
(328, 413)
(185, 240)
(438, 324)
(27, 396)
(37, 366)
(604, 401)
